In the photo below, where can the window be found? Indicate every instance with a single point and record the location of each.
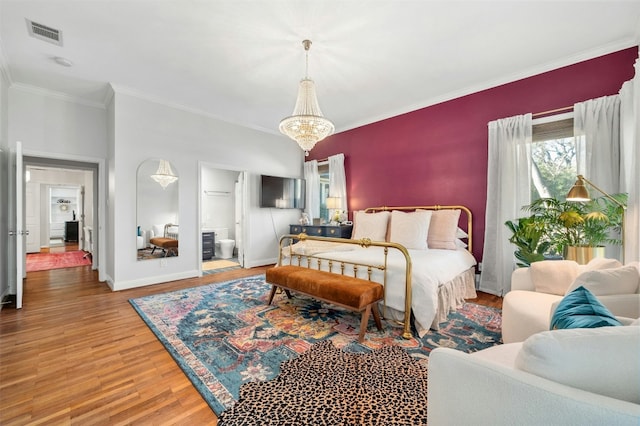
(554, 160)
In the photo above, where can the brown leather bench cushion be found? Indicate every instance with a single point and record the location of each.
(164, 242)
(354, 292)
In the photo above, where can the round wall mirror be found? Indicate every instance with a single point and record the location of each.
(157, 210)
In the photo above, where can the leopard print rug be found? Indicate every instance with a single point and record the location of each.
(326, 386)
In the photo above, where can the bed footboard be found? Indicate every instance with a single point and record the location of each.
(289, 256)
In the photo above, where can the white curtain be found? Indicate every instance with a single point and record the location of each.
(338, 180)
(630, 161)
(312, 181)
(508, 189)
(596, 128)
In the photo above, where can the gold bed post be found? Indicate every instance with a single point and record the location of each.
(407, 288)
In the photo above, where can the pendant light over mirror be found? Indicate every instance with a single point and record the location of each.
(164, 175)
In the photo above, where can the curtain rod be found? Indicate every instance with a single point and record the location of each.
(551, 111)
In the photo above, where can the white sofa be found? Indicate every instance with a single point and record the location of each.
(536, 291)
(560, 377)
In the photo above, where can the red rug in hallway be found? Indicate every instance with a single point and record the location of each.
(46, 261)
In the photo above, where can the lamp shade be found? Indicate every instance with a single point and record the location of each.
(333, 202)
(578, 191)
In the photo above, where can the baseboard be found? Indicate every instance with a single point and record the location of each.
(261, 262)
(126, 285)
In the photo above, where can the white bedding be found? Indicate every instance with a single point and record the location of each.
(430, 269)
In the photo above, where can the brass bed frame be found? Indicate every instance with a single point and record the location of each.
(338, 266)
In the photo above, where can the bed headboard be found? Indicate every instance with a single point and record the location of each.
(463, 209)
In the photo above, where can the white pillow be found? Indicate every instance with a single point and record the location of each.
(410, 229)
(158, 230)
(461, 244)
(443, 229)
(601, 263)
(553, 276)
(370, 225)
(602, 282)
(600, 360)
(461, 234)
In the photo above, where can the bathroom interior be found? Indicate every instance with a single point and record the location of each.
(220, 213)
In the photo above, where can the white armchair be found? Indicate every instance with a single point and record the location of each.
(561, 377)
(536, 291)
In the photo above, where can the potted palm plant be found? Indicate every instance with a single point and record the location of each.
(577, 230)
(528, 236)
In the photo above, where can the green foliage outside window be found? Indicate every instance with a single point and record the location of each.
(554, 162)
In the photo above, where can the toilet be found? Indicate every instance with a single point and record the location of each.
(226, 245)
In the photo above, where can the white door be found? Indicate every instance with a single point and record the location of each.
(80, 218)
(32, 216)
(16, 231)
(239, 215)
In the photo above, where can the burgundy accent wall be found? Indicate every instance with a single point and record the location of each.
(438, 154)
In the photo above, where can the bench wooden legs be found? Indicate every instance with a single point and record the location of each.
(364, 320)
(274, 288)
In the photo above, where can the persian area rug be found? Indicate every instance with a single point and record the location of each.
(223, 335)
(46, 261)
(331, 387)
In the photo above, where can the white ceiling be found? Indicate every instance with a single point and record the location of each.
(240, 60)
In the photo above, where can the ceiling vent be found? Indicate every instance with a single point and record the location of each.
(42, 32)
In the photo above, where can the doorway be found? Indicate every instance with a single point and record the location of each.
(59, 215)
(222, 212)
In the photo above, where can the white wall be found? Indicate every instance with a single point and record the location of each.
(143, 129)
(131, 130)
(57, 128)
(46, 124)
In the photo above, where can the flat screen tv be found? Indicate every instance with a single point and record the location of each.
(282, 192)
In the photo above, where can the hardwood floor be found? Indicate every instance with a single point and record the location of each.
(77, 353)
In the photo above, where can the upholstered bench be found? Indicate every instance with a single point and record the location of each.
(355, 294)
(169, 246)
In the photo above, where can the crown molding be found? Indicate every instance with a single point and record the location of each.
(108, 97)
(489, 84)
(181, 107)
(56, 95)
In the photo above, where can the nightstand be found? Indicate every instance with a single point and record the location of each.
(334, 231)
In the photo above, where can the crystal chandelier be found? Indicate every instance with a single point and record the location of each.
(164, 175)
(306, 125)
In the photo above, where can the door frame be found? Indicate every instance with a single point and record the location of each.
(97, 167)
(241, 222)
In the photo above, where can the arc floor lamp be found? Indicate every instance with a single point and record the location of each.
(579, 192)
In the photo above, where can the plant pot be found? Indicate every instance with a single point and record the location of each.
(583, 254)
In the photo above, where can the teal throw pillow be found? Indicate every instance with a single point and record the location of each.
(581, 309)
